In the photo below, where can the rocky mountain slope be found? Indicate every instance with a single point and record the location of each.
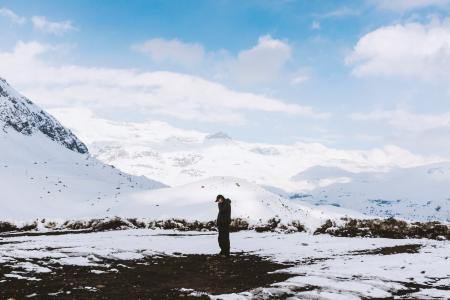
(46, 171)
(22, 115)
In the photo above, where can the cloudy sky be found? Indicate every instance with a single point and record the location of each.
(348, 74)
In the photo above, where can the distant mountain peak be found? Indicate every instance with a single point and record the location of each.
(22, 115)
(218, 135)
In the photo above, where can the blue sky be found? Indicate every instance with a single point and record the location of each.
(349, 74)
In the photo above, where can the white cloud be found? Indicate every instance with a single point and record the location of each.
(411, 50)
(172, 51)
(340, 12)
(58, 28)
(164, 93)
(7, 13)
(406, 120)
(315, 25)
(262, 63)
(406, 5)
(299, 79)
(425, 133)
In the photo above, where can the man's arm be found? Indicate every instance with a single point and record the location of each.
(228, 211)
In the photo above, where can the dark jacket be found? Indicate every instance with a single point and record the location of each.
(224, 216)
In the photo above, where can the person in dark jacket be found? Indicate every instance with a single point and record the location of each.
(223, 224)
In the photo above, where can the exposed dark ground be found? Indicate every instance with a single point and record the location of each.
(411, 248)
(151, 278)
(169, 277)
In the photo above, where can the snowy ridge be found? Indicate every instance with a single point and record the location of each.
(420, 193)
(19, 113)
(177, 156)
(39, 178)
(195, 201)
(384, 182)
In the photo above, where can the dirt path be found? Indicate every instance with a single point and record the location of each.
(152, 278)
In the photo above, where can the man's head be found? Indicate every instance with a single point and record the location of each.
(220, 198)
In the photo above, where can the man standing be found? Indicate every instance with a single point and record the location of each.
(223, 224)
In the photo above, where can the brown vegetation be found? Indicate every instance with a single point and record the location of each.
(386, 228)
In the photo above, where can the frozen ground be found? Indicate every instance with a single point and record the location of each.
(319, 267)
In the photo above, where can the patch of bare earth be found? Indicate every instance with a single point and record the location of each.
(165, 277)
(410, 248)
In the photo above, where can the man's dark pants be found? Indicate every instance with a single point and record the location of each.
(224, 238)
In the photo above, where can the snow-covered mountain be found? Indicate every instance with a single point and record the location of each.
(419, 193)
(384, 182)
(177, 156)
(41, 179)
(195, 201)
(46, 171)
(20, 114)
